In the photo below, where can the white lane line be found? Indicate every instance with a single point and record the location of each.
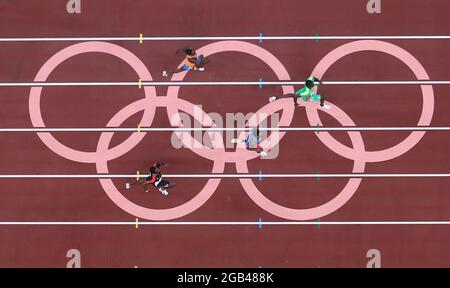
(218, 38)
(412, 82)
(218, 83)
(218, 129)
(58, 84)
(309, 175)
(252, 223)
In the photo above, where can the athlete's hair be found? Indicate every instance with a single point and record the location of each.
(155, 167)
(309, 84)
(187, 51)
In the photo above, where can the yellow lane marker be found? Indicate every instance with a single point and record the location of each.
(140, 38)
(137, 175)
(139, 128)
(140, 83)
(136, 223)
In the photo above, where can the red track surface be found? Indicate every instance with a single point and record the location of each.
(300, 152)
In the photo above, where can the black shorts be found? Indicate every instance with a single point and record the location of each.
(163, 183)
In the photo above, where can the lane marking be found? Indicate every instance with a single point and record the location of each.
(140, 84)
(137, 175)
(203, 38)
(260, 223)
(140, 38)
(316, 129)
(260, 175)
(220, 175)
(136, 223)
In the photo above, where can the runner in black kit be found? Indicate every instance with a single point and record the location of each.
(154, 178)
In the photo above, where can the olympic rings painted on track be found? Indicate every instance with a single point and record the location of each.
(217, 153)
(416, 68)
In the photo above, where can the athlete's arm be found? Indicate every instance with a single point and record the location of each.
(317, 80)
(193, 60)
(162, 163)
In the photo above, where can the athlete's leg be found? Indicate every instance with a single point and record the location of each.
(258, 149)
(162, 185)
(286, 96)
(178, 70)
(128, 185)
(291, 95)
(146, 186)
(202, 61)
(322, 100)
(168, 184)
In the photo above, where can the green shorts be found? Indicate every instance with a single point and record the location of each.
(312, 98)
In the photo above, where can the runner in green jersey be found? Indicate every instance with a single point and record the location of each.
(306, 93)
